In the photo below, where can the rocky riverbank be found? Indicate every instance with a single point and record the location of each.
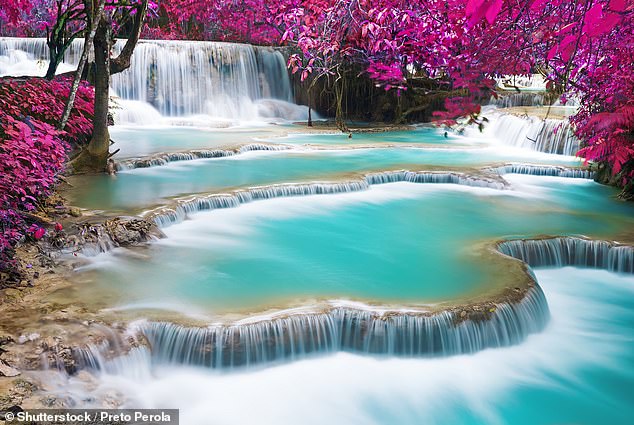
(37, 332)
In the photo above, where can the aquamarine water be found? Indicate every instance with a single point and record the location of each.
(420, 135)
(144, 187)
(397, 243)
(577, 371)
(140, 141)
(400, 244)
(388, 244)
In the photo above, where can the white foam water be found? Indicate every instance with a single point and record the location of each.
(169, 157)
(166, 216)
(553, 136)
(229, 81)
(565, 370)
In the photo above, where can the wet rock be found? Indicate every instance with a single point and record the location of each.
(74, 211)
(24, 387)
(49, 343)
(13, 409)
(7, 370)
(61, 357)
(50, 401)
(14, 395)
(130, 231)
(5, 339)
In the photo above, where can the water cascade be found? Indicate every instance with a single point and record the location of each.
(518, 99)
(218, 79)
(544, 170)
(29, 56)
(522, 82)
(222, 80)
(569, 251)
(167, 216)
(297, 334)
(338, 328)
(549, 136)
(167, 157)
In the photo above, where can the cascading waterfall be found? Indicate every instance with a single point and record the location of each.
(526, 82)
(108, 358)
(570, 251)
(434, 177)
(180, 78)
(544, 170)
(548, 136)
(294, 334)
(29, 56)
(167, 157)
(181, 209)
(217, 79)
(518, 99)
(298, 335)
(135, 112)
(167, 216)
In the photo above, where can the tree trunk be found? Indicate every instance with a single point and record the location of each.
(95, 156)
(339, 114)
(55, 60)
(94, 22)
(61, 36)
(122, 62)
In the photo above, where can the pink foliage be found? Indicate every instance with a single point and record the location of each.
(582, 47)
(32, 151)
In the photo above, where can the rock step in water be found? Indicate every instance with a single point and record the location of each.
(167, 157)
(299, 335)
(570, 251)
(455, 330)
(528, 98)
(543, 170)
(166, 216)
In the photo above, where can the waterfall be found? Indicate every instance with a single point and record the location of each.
(181, 78)
(434, 177)
(134, 112)
(167, 157)
(544, 170)
(458, 330)
(569, 251)
(166, 216)
(549, 136)
(518, 99)
(342, 329)
(29, 56)
(526, 82)
(109, 357)
(295, 334)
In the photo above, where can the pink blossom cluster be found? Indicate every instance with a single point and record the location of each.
(32, 150)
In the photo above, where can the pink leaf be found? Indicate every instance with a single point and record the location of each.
(493, 10)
